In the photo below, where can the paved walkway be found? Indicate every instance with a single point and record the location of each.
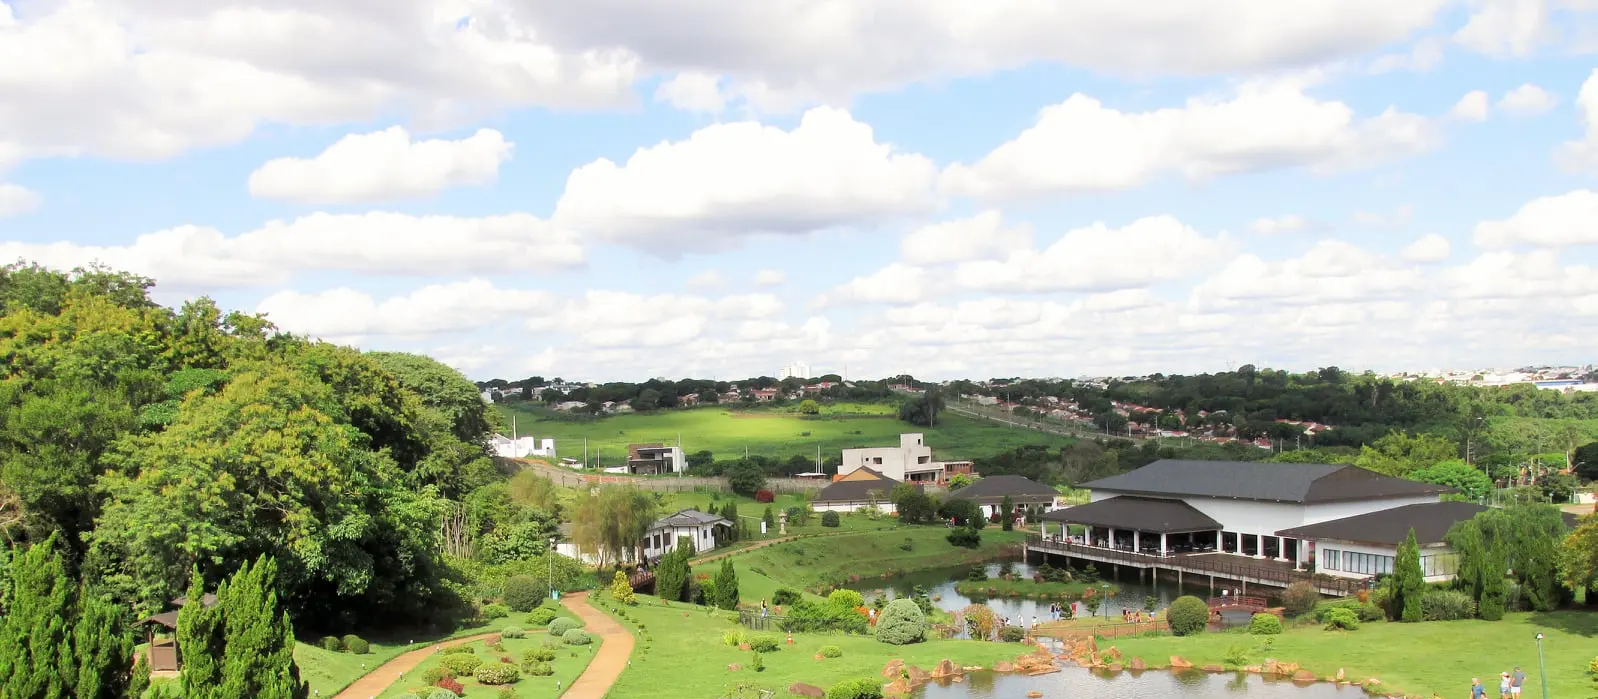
(614, 650)
(718, 556)
(374, 682)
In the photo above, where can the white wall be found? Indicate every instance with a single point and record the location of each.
(703, 537)
(1390, 551)
(884, 506)
(896, 461)
(1325, 512)
(1250, 516)
(569, 550)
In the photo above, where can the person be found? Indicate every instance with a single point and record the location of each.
(1516, 681)
(1224, 594)
(871, 615)
(1034, 621)
(1476, 690)
(763, 610)
(1503, 685)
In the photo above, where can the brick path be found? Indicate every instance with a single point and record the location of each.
(610, 661)
(374, 682)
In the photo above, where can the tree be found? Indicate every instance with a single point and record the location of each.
(901, 622)
(1007, 513)
(442, 388)
(923, 409)
(980, 622)
(200, 641)
(961, 480)
(1471, 482)
(621, 590)
(1400, 454)
(612, 523)
(1586, 461)
(1187, 616)
(1409, 583)
(809, 407)
(746, 478)
(915, 507)
(727, 586)
(244, 646)
(1578, 555)
(36, 658)
(1520, 540)
(671, 575)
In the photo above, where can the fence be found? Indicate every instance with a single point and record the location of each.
(668, 484)
(1216, 565)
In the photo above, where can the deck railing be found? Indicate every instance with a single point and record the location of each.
(1216, 565)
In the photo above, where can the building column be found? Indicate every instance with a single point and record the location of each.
(1136, 542)
(1259, 545)
(1281, 548)
(1220, 540)
(1110, 540)
(1163, 549)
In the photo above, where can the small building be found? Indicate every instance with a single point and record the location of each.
(161, 643)
(1024, 494)
(654, 459)
(567, 546)
(855, 490)
(521, 447)
(698, 527)
(910, 461)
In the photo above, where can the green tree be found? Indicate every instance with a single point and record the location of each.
(1007, 513)
(1520, 540)
(746, 478)
(727, 586)
(902, 622)
(809, 407)
(1400, 454)
(613, 522)
(1578, 556)
(103, 649)
(672, 574)
(258, 639)
(1471, 482)
(36, 658)
(201, 641)
(1409, 583)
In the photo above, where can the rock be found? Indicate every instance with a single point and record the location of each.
(734, 667)
(1003, 666)
(1179, 662)
(1113, 653)
(1286, 669)
(800, 689)
(1212, 667)
(1137, 665)
(743, 646)
(1115, 667)
(1043, 671)
(1252, 668)
(897, 688)
(894, 669)
(1034, 694)
(917, 676)
(1303, 676)
(945, 668)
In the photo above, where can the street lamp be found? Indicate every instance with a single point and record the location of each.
(551, 578)
(1542, 671)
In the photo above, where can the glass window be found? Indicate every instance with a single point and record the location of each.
(1439, 564)
(1331, 560)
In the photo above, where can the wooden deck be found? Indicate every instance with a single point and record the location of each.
(1212, 565)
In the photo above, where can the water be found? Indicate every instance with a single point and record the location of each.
(940, 583)
(1152, 684)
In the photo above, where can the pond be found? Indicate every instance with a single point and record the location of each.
(940, 583)
(1152, 684)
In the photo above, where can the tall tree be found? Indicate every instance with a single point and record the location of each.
(36, 659)
(1578, 556)
(242, 647)
(103, 650)
(1409, 582)
(613, 522)
(201, 641)
(727, 585)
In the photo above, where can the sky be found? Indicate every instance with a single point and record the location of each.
(626, 189)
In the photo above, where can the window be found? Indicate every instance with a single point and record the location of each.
(877, 460)
(1365, 563)
(923, 459)
(1330, 560)
(1439, 564)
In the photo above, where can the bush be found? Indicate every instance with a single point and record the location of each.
(901, 623)
(1446, 605)
(457, 650)
(512, 632)
(1012, 634)
(757, 663)
(1264, 624)
(764, 495)
(460, 664)
(490, 612)
(765, 644)
(785, 596)
(523, 593)
(497, 673)
(621, 590)
(831, 652)
(575, 637)
(436, 673)
(864, 688)
(357, 645)
(541, 616)
(540, 668)
(734, 637)
(1341, 618)
(965, 537)
(845, 599)
(1300, 598)
(331, 643)
(560, 626)
(538, 655)
(830, 519)
(1188, 616)
(1363, 611)
(446, 691)
(507, 693)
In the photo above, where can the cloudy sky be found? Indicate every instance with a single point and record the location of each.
(618, 189)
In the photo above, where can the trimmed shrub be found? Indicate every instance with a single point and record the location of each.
(765, 644)
(831, 652)
(560, 626)
(507, 693)
(1012, 634)
(764, 495)
(901, 623)
(1300, 598)
(538, 655)
(1188, 616)
(494, 611)
(408, 695)
(621, 590)
(575, 637)
(450, 687)
(538, 669)
(541, 616)
(460, 664)
(1363, 611)
(785, 596)
(523, 593)
(734, 637)
(1446, 605)
(497, 673)
(512, 632)
(1341, 618)
(830, 519)
(457, 650)
(863, 688)
(436, 673)
(331, 643)
(845, 599)
(965, 537)
(1264, 624)
(357, 645)
(757, 663)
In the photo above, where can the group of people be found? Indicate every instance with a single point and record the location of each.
(1131, 615)
(1509, 685)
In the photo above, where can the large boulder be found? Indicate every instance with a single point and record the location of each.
(1137, 665)
(1004, 666)
(1115, 667)
(945, 668)
(897, 688)
(800, 689)
(1113, 653)
(1303, 676)
(917, 676)
(1179, 662)
(1212, 667)
(894, 669)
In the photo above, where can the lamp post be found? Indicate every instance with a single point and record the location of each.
(551, 578)
(1542, 671)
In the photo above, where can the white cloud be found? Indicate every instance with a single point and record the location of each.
(1101, 258)
(708, 279)
(349, 315)
(693, 92)
(980, 237)
(1424, 55)
(1399, 218)
(1505, 27)
(1582, 155)
(1081, 145)
(731, 180)
(615, 319)
(1427, 248)
(1558, 221)
(1527, 100)
(770, 277)
(383, 166)
(1471, 107)
(895, 283)
(1331, 271)
(1281, 225)
(15, 199)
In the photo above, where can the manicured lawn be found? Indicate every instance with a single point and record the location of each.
(834, 560)
(999, 587)
(568, 664)
(1432, 657)
(772, 432)
(684, 656)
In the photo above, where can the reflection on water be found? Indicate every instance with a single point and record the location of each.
(1153, 684)
(939, 583)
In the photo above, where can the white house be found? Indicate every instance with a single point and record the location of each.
(856, 490)
(796, 370)
(654, 459)
(1244, 508)
(910, 461)
(567, 547)
(521, 447)
(1024, 493)
(698, 527)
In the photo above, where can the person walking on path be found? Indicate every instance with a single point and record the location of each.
(1476, 690)
(1515, 682)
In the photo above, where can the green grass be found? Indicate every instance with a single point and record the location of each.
(999, 587)
(834, 560)
(1433, 657)
(683, 656)
(568, 664)
(771, 432)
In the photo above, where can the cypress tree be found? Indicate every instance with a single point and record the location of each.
(1007, 507)
(671, 576)
(727, 586)
(200, 641)
(103, 649)
(1409, 582)
(36, 659)
(258, 660)
(5, 580)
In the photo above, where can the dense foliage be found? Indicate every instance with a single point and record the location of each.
(59, 640)
(902, 622)
(1264, 624)
(672, 572)
(1409, 583)
(243, 646)
(1520, 542)
(1188, 615)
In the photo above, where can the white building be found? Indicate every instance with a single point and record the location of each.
(654, 459)
(856, 490)
(698, 527)
(796, 370)
(1024, 493)
(521, 447)
(910, 461)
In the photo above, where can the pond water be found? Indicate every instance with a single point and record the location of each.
(1152, 684)
(940, 583)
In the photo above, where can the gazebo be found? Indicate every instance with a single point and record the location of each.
(160, 632)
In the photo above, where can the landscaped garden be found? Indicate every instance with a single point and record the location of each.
(538, 664)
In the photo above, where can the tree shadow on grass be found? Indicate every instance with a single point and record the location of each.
(1579, 623)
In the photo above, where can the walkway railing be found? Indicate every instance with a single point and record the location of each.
(1239, 601)
(1217, 565)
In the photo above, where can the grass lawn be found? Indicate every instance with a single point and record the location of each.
(1432, 657)
(568, 664)
(683, 656)
(999, 587)
(772, 432)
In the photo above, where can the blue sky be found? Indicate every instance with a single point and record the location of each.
(618, 190)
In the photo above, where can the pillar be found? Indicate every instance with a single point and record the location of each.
(1259, 545)
(1163, 549)
(1137, 544)
(1111, 538)
(1220, 541)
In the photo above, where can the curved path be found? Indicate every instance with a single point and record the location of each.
(375, 682)
(615, 648)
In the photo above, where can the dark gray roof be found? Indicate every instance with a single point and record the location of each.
(1131, 512)
(688, 518)
(858, 491)
(992, 489)
(1254, 480)
(1391, 526)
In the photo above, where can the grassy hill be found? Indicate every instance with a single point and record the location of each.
(775, 432)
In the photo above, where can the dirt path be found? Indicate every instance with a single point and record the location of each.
(374, 682)
(718, 556)
(614, 650)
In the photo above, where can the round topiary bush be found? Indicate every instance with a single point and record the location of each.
(523, 592)
(497, 673)
(538, 655)
(1341, 618)
(1012, 634)
(560, 626)
(831, 652)
(1188, 616)
(461, 664)
(539, 669)
(845, 599)
(765, 644)
(575, 637)
(462, 648)
(1300, 598)
(331, 643)
(357, 645)
(512, 632)
(830, 519)
(863, 688)
(901, 623)
(1264, 624)
(494, 611)
(541, 616)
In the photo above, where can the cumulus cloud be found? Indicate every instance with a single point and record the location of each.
(1330, 271)
(1505, 27)
(1281, 225)
(727, 181)
(980, 237)
(1527, 100)
(1428, 248)
(1081, 145)
(383, 166)
(616, 319)
(692, 92)
(1423, 55)
(708, 279)
(1472, 107)
(345, 314)
(1558, 221)
(15, 199)
(1581, 155)
(1102, 258)
(895, 283)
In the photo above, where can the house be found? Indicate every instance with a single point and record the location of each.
(910, 461)
(1242, 508)
(698, 527)
(857, 489)
(765, 395)
(521, 447)
(654, 459)
(567, 546)
(161, 652)
(1024, 493)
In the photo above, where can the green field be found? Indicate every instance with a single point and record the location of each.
(773, 432)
